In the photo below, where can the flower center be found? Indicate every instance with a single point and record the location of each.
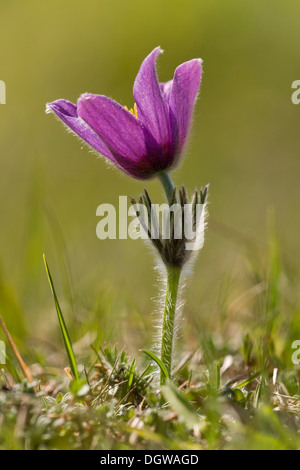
(132, 110)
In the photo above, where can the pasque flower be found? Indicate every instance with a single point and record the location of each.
(148, 139)
(145, 141)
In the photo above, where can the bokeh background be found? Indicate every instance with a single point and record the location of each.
(245, 142)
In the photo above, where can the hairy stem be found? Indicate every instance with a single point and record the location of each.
(167, 184)
(173, 275)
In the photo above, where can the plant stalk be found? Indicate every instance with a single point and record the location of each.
(173, 276)
(167, 339)
(167, 184)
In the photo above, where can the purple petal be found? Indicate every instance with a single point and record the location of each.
(152, 108)
(182, 98)
(166, 87)
(131, 144)
(67, 112)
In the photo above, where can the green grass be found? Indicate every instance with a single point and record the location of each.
(228, 392)
(62, 324)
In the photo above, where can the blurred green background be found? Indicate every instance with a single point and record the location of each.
(245, 142)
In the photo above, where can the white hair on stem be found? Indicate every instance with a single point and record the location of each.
(162, 278)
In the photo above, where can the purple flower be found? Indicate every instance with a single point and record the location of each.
(149, 139)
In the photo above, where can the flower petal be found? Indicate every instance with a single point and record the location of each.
(67, 112)
(166, 87)
(152, 109)
(182, 98)
(131, 144)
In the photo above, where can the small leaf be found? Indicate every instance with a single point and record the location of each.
(131, 374)
(248, 380)
(79, 388)
(237, 394)
(65, 334)
(158, 362)
(180, 404)
(59, 398)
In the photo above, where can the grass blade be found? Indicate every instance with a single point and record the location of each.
(248, 380)
(180, 404)
(131, 374)
(158, 362)
(65, 334)
(23, 365)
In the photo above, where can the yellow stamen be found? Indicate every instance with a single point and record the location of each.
(132, 111)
